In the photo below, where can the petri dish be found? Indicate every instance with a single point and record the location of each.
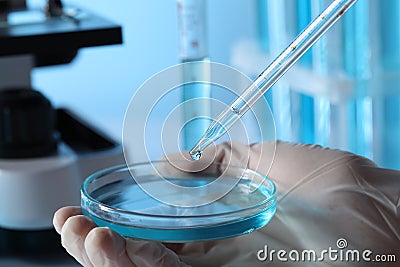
(113, 198)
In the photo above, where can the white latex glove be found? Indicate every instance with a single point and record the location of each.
(100, 246)
(323, 195)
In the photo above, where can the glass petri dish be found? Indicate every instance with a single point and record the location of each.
(114, 198)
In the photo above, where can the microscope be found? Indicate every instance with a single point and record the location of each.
(45, 152)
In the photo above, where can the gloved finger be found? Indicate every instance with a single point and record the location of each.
(224, 154)
(152, 254)
(105, 247)
(61, 215)
(228, 156)
(73, 235)
(180, 164)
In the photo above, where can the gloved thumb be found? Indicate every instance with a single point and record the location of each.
(105, 247)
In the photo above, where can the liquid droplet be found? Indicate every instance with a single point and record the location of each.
(196, 155)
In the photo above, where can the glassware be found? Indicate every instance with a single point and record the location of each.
(219, 202)
(345, 94)
(279, 66)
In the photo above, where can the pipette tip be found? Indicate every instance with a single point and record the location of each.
(197, 150)
(196, 155)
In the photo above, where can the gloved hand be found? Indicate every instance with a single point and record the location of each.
(100, 246)
(323, 195)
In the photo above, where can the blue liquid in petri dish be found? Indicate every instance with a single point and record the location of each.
(128, 210)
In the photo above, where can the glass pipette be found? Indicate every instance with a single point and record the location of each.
(271, 74)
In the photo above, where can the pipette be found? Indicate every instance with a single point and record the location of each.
(271, 74)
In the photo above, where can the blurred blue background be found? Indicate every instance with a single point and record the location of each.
(342, 94)
(100, 81)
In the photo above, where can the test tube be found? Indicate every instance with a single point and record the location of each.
(357, 65)
(361, 50)
(293, 110)
(281, 96)
(306, 102)
(271, 74)
(263, 25)
(193, 47)
(387, 104)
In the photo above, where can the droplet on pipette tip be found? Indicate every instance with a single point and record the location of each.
(196, 155)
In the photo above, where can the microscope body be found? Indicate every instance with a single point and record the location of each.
(45, 152)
